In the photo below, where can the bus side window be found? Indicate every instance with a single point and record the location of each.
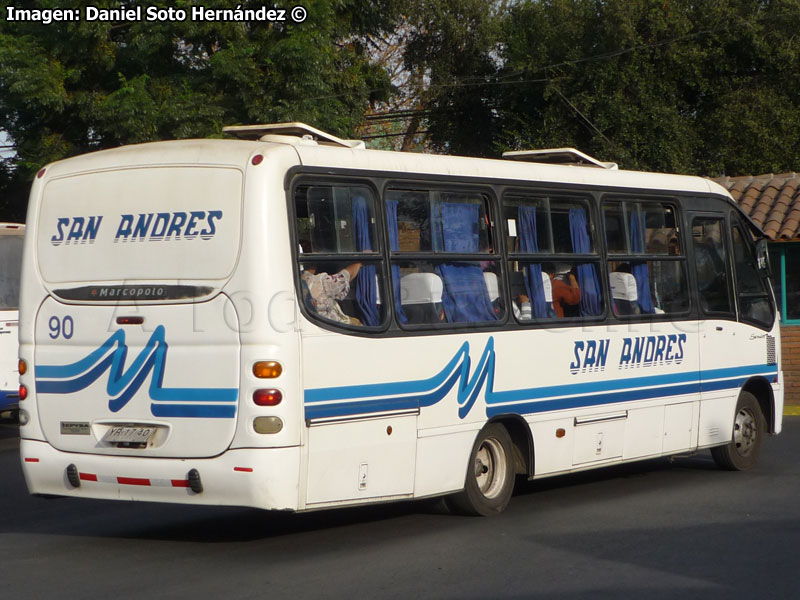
(754, 301)
(548, 280)
(452, 230)
(711, 264)
(341, 270)
(647, 265)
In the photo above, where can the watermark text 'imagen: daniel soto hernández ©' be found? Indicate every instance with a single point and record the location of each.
(153, 14)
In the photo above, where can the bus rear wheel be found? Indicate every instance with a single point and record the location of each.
(749, 427)
(490, 475)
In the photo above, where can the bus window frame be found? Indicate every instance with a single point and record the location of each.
(676, 203)
(496, 255)
(689, 203)
(590, 201)
(736, 222)
(378, 258)
(722, 215)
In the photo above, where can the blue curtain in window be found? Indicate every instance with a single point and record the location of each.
(639, 269)
(464, 298)
(591, 299)
(366, 284)
(394, 245)
(529, 243)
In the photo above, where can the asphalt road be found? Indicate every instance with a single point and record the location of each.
(659, 529)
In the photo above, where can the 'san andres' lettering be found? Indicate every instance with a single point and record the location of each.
(153, 227)
(652, 350)
(76, 230)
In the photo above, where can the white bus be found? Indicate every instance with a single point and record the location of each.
(292, 322)
(11, 235)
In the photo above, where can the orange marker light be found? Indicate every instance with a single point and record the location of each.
(22, 366)
(267, 369)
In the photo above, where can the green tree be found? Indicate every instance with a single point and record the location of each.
(453, 45)
(69, 88)
(667, 85)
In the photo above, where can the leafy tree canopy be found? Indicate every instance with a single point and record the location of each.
(669, 85)
(73, 87)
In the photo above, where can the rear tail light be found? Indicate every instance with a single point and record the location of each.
(23, 392)
(270, 397)
(130, 320)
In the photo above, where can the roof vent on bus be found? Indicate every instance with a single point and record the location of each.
(559, 156)
(300, 131)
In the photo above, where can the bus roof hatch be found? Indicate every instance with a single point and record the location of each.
(559, 156)
(299, 130)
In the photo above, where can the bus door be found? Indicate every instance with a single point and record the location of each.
(719, 336)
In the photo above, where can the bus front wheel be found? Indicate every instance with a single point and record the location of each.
(749, 427)
(490, 475)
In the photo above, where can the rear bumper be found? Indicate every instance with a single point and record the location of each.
(259, 478)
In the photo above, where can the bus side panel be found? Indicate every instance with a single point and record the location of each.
(362, 459)
(442, 461)
(617, 395)
(721, 383)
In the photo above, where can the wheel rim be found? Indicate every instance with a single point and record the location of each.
(745, 432)
(490, 468)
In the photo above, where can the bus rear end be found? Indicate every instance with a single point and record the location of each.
(130, 337)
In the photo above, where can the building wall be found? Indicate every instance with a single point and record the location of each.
(790, 344)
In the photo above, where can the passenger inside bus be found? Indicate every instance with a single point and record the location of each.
(322, 292)
(565, 294)
(522, 306)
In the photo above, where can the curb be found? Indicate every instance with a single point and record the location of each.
(791, 411)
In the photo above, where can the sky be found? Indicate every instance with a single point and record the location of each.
(4, 141)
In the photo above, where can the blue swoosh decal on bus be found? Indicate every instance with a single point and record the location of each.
(381, 397)
(408, 394)
(124, 383)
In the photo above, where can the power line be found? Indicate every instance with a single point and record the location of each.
(387, 135)
(584, 117)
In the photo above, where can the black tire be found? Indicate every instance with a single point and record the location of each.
(490, 475)
(749, 427)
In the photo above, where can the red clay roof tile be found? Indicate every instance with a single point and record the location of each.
(772, 201)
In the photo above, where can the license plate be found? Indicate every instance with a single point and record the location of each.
(128, 434)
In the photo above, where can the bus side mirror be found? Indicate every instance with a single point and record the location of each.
(762, 258)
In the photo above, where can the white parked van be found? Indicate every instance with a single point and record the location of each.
(11, 236)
